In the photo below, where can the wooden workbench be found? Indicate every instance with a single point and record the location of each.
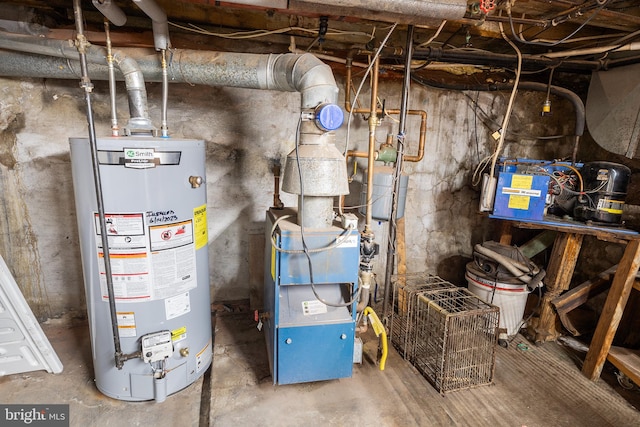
(565, 252)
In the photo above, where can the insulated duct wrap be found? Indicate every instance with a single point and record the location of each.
(433, 9)
(285, 72)
(69, 67)
(613, 110)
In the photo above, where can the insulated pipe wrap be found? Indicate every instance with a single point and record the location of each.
(286, 72)
(129, 68)
(231, 69)
(307, 75)
(436, 9)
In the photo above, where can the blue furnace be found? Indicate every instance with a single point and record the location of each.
(308, 340)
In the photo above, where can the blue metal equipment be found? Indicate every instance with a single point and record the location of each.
(310, 302)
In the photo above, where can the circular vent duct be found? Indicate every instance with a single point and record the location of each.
(613, 110)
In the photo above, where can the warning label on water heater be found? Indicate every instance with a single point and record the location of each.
(126, 324)
(148, 262)
(173, 257)
(129, 255)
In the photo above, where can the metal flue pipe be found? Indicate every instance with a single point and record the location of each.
(159, 23)
(133, 77)
(111, 11)
(286, 72)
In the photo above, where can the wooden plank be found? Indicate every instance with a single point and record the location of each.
(613, 235)
(256, 270)
(559, 272)
(538, 244)
(568, 324)
(401, 247)
(627, 361)
(581, 293)
(505, 233)
(612, 311)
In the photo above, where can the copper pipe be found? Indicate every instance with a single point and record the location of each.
(373, 123)
(277, 203)
(115, 130)
(423, 136)
(361, 154)
(423, 116)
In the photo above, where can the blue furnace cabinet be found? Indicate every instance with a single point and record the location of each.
(308, 340)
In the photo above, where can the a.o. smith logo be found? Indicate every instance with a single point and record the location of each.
(139, 153)
(34, 415)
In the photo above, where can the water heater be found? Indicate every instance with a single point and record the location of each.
(155, 214)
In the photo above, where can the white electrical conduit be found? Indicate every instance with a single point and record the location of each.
(593, 51)
(507, 114)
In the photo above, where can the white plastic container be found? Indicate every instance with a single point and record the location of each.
(511, 298)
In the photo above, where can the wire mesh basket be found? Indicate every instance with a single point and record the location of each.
(406, 287)
(455, 335)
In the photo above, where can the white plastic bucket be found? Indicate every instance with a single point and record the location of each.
(511, 298)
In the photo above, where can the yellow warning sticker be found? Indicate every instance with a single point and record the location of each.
(522, 181)
(179, 334)
(518, 202)
(200, 226)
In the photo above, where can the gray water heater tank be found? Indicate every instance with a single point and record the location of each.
(155, 212)
(382, 193)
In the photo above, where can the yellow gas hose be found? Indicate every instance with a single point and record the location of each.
(378, 328)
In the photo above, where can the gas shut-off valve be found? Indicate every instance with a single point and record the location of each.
(157, 346)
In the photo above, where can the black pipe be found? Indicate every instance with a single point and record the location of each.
(621, 62)
(86, 84)
(578, 105)
(404, 106)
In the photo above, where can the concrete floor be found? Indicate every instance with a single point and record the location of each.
(534, 386)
